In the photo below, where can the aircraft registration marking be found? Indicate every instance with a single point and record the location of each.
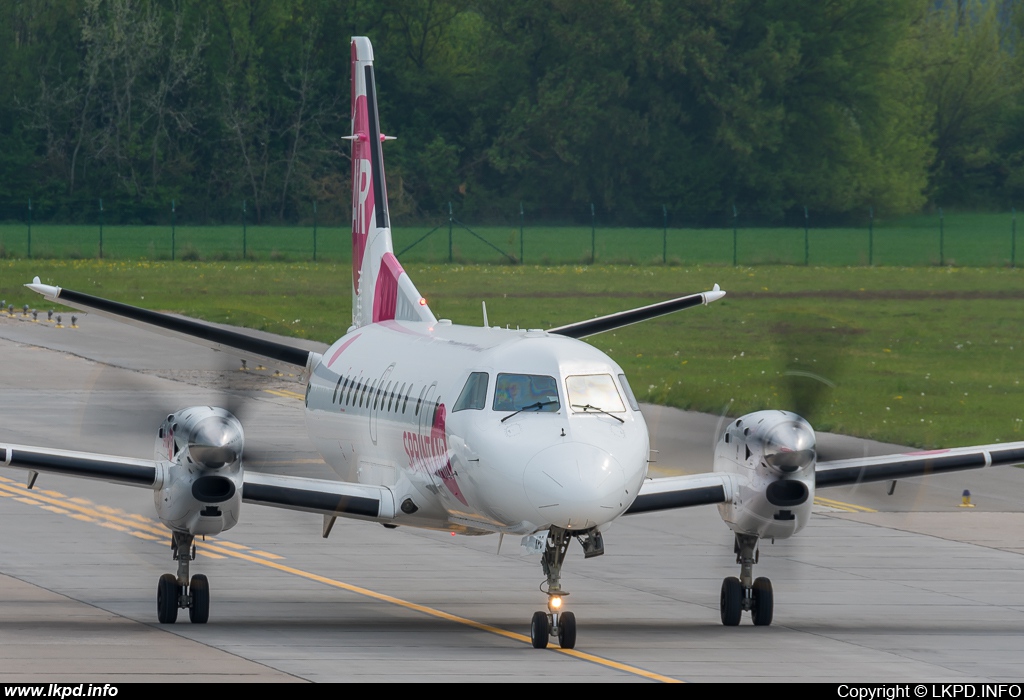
(130, 524)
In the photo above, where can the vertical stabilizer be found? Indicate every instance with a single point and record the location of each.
(381, 290)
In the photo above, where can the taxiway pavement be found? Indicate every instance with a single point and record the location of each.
(907, 587)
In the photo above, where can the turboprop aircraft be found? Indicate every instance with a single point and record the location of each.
(473, 430)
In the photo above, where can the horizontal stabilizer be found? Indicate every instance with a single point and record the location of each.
(902, 466)
(644, 313)
(195, 331)
(683, 492)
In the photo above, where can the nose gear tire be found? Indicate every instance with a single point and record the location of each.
(763, 602)
(567, 630)
(167, 599)
(199, 609)
(539, 630)
(732, 601)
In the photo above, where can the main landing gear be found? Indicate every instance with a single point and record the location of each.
(173, 592)
(739, 594)
(556, 622)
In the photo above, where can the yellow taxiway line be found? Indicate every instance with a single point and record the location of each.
(150, 530)
(841, 505)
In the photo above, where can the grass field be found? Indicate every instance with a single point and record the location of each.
(966, 240)
(927, 356)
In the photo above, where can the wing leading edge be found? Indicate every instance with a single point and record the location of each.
(683, 492)
(706, 489)
(901, 466)
(320, 496)
(195, 331)
(593, 326)
(84, 465)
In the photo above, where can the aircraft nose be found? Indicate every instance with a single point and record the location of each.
(575, 485)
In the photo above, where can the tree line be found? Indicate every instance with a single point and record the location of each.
(693, 105)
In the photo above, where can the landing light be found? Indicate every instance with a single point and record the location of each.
(555, 602)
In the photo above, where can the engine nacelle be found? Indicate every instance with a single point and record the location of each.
(772, 454)
(199, 487)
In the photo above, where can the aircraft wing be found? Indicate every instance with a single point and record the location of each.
(320, 496)
(195, 331)
(610, 322)
(86, 465)
(901, 466)
(333, 498)
(682, 492)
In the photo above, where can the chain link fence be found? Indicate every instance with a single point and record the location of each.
(939, 238)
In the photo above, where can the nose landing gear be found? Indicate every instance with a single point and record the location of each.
(560, 624)
(554, 621)
(177, 591)
(739, 594)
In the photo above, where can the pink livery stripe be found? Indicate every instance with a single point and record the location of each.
(385, 295)
(341, 349)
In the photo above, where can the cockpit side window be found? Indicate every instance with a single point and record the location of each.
(530, 392)
(474, 394)
(629, 393)
(593, 392)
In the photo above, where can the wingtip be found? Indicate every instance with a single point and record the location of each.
(47, 290)
(715, 294)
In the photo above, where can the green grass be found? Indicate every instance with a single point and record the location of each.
(976, 240)
(927, 356)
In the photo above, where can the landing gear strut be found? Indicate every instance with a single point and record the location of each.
(554, 621)
(743, 593)
(177, 591)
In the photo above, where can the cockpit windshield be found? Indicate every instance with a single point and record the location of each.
(530, 392)
(593, 392)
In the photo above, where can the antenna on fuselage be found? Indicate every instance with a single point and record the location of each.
(484, 304)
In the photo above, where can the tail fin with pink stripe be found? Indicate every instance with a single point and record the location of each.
(381, 290)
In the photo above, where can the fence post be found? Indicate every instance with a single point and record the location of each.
(664, 234)
(314, 230)
(521, 233)
(871, 236)
(807, 240)
(450, 218)
(1013, 238)
(30, 228)
(173, 226)
(245, 234)
(942, 240)
(101, 229)
(593, 235)
(735, 223)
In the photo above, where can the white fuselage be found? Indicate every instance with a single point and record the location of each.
(385, 406)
